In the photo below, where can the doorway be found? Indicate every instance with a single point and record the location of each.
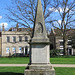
(70, 51)
(26, 50)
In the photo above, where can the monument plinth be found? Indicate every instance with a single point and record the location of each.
(39, 51)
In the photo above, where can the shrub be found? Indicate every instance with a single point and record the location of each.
(54, 52)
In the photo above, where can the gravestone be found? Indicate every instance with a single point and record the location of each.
(39, 47)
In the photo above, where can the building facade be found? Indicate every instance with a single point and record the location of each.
(15, 41)
(56, 40)
(0, 44)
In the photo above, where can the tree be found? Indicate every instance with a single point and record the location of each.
(65, 20)
(73, 39)
(23, 11)
(59, 13)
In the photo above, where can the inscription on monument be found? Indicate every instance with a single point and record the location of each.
(39, 52)
(39, 28)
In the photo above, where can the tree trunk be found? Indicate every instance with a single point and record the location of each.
(64, 46)
(65, 41)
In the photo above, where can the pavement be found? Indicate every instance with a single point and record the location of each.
(23, 65)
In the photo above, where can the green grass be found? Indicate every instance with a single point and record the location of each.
(63, 60)
(12, 70)
(25, 60)
(65, 71)
(14, 60)
(20, 71)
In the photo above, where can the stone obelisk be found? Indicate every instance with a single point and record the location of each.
(39, 51)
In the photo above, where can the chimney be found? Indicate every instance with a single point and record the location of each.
(3, 27)
(17, 27)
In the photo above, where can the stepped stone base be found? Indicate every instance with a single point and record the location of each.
(40, 70)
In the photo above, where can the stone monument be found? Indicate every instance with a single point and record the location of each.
(39, 50)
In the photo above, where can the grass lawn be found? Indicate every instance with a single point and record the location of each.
(12, 70)
(25, 60)
(65, 71)
(20, 71)
(63, 60)
(14, 60)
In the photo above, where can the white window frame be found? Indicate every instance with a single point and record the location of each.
(7, 38)
(20, 51)
(7, 50)
(14, 51)
(13, 38)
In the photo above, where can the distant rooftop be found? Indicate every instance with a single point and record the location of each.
(58, 32)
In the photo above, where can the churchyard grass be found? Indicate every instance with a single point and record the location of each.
(20, 71)
(25, 60)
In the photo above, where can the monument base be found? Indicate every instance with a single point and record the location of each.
(40, 70)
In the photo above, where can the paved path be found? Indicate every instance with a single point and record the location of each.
(63, 65)
(54, 65)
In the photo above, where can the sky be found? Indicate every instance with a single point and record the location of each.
(3, 12)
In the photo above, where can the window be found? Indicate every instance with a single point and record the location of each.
(69, 42)
(14, 39)
(14, 29)
(20, 49)
(26, 50)
(7, 49)
(14, 49)
(20, 38)
(61, 51)
(61, 43)
(8, 39)
(26, 39)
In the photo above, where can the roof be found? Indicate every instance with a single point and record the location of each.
(20, 29)
(69, 32)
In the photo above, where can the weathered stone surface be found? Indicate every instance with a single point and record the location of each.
(39, 40)
(39, 25)
(39, 72)
(40, 69)
(40, 54)
(40, 59)
(40, 66)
